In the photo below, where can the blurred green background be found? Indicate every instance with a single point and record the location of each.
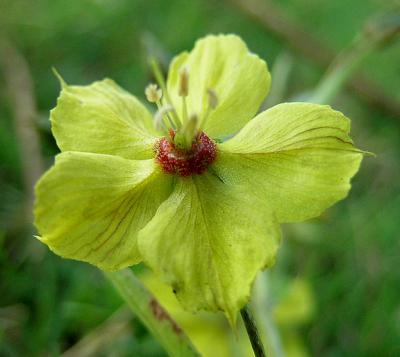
(348, 259)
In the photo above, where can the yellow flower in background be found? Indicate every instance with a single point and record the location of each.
(198, 191)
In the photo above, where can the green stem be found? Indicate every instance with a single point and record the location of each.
(267, 327)
(375, 35)
(145, 306)
(252, 332)
(342, 68)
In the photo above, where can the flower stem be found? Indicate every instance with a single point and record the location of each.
(146, 307)
(267, 327)
(252, 332)
(375, 35)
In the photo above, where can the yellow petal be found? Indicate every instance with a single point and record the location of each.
(102, 118)
(297, 156)
(90, 207)
(208, 240)
(239, 78)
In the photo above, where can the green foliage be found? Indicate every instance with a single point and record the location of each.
(350, 255)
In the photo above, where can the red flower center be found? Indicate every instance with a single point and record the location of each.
(186, 162)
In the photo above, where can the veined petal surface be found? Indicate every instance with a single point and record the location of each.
(102, 118)
(90, 207)
(298, 156)
(208, 240)
(240, 79)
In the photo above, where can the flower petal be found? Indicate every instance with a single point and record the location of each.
(240, 79)
(102, 118)
(208, 240)
(90, 206)
(297, 156)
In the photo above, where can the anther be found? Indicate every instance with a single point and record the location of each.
(153, 93)
(183, 82)
(212, 98)
(212, 104)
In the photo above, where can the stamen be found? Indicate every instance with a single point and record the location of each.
(159, 76)
(212, 104)
(183, 82)
(184, 110)
(212, 98)
(153, 93)
(184, 91)
(159, 118)
(191, 129)
(184, 138)
(166, 98)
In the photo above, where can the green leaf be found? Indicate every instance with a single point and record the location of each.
(208, 240)
(239, 78)
(297, 156)
(90, 207)
(102, 118)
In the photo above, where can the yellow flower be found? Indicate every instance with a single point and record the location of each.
(197, 193)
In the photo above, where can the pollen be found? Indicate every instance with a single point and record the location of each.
(193, 161)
